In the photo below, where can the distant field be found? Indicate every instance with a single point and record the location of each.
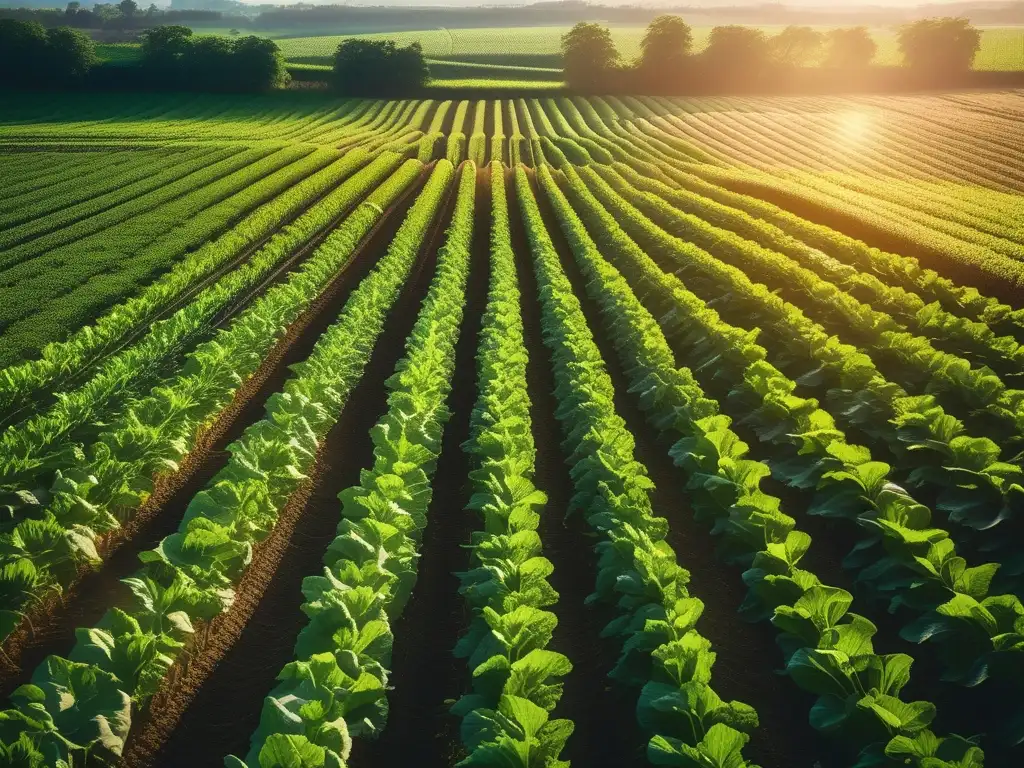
(1002, 48)
(530, 55)
(537, 48)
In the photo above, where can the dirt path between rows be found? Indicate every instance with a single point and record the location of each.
(425, 674)
(747, 656)
(50, 629)
(602, 713)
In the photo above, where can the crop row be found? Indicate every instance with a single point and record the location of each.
(336, 687)
(116, 666)
(516, 678)
(662, 650)
(115, 474)
(827, 649)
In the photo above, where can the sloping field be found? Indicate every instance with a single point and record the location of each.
(611, 431)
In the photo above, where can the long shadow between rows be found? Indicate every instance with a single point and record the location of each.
(747, 656)
(225, 710)
(605, 732)
(425, 674)
(53, 631)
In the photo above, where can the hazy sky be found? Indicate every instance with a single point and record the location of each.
(655, 3)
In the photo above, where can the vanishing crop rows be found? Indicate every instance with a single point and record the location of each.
(512, 433)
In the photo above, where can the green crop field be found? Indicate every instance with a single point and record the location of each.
(521, 433)
(1001, 48)
(507, 56)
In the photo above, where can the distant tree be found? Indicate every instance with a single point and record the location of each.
(31, 55)
(23, 49)
(164, 49)
(588, 55)
(379, 67)
(667, 43)
(152, 10)
(737, 51)
(208, 63)
(107, 11)
(71, 54)
(258, 64)
(128, 8)
(234, 32)
(72, 8)
(940, 45)
(850, 48)
(797, 46)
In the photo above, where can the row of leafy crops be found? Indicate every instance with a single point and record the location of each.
(777, 466)
(515, 676)
(97, 487)
(336, 688)
(116, 666)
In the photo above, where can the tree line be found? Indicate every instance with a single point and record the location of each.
(172, 57)
(124, 15)
(32, 56)
(740, 55)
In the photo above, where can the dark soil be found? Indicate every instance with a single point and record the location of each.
(489, 132)
(426, 676)
(602, 713)
(745, 652)
(52, 631)
(226, 709)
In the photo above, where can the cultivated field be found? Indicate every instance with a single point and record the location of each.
(1002, 48)
(619, 431)
(514, 56)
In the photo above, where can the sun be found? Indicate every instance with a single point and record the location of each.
(854, 126)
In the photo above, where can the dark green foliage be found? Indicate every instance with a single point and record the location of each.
(174, 58)
(379, 68)
(589, 55)
(939, 45)
(666, 44)
(32, 56)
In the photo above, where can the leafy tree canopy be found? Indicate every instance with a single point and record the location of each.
(850, 48)
(797, 46)
(588, 54)
(379, 68)
(667, 43)
(31, 55)
(940, 45)
(737, 49)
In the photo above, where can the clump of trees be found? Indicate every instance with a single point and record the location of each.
(379, 68)
(36, 57)
(796, 46)
(939, 45)
(852, 48)
(173, 57)
(589, 55)
(123, 15)
(741, 56)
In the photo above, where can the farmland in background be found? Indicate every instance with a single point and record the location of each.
(589, 416)
(459, 54)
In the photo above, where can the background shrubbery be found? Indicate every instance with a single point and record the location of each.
(746, 57)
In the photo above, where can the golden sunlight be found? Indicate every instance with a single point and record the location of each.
(854, 126)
